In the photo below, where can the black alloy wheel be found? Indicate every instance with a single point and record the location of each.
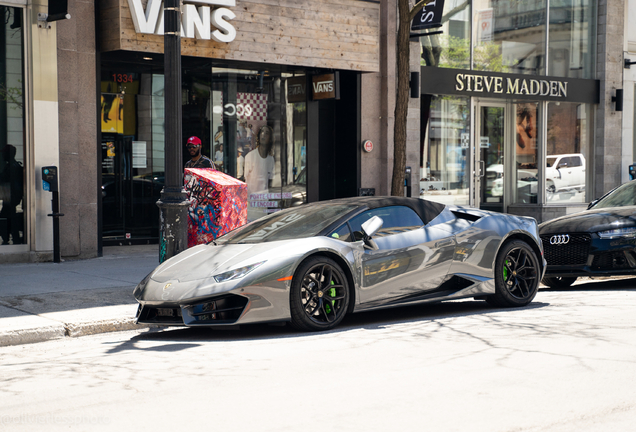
(517, 275)
(558, 282)
(319, 295)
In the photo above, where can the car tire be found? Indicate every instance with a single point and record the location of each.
(517, 275)
(558, 282)
(319, 296)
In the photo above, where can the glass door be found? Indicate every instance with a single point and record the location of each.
(129, 199)
(490, 142)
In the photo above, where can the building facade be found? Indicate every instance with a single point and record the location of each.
(515, 112)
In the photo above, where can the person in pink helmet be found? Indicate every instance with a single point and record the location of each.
(197, 159)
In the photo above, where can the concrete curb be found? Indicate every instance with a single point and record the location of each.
(32, 335)
(102, 326)
(25, 336)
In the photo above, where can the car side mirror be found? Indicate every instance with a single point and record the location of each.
(562, 165)
(592, 204)
(372, 226)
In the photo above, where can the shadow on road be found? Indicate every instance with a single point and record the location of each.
(604, 284)
(180, 338)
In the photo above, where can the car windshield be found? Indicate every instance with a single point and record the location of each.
(551, 161)
(298, 222)
(625, 195)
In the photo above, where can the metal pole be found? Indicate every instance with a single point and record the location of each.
(173, 215)
(55, 206)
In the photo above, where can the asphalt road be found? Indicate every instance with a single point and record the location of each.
(565, 363)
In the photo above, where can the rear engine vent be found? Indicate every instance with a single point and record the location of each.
(466, 216)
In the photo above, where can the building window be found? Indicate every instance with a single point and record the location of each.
(571, 38)
(568, 136)
(258, 134)
(12, 137)
(445, 162)
(451, 48)
(251, 124)
(526, 153)
(509, 36)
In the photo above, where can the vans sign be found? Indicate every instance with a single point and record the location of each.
(325, 86)
(296, 89)
(198, 18)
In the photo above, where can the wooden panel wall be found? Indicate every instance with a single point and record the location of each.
(336, 34)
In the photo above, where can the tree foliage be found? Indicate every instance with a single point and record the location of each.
(11, 95)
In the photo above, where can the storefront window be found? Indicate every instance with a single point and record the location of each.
(451, 48)
(568, 143)
(251, 124)
(259, 136)
(571, 47)
(133, 175)
(509, 36)
(446, 156)
(526, 153)
(12, 137)
(245, 143)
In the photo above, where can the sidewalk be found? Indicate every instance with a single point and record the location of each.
(43, 301)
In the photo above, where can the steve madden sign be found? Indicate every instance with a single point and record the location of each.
(198, 18)
(508, 86)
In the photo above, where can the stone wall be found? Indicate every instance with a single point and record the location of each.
(609, 70)
(77, 95)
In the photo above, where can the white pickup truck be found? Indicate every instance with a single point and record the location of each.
(565, 172)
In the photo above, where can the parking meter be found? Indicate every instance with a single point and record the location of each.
(632, 171)
(50, 184)
(49, 178)
(407, 181)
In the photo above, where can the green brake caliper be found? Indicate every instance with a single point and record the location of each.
(332, 293)
(505, 270)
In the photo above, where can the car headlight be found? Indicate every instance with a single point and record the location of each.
(619, 232)
(141, 285)
(236, 273)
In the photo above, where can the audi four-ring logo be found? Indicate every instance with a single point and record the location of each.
(560, 239)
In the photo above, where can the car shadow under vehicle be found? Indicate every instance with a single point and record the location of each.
(618, 283)
(179, 338)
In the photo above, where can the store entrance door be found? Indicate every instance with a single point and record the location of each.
(490, 143)
(129, 200)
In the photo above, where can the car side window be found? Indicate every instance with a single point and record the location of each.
(576, 161)
(342, 233)
(396, 219)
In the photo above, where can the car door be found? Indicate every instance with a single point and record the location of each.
(565, 171)
(410, 260)
(578, 172)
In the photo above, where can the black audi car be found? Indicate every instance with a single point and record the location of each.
(600, 241)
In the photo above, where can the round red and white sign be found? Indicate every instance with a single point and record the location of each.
(367, 146)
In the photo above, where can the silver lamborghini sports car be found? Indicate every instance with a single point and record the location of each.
(310, 265)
